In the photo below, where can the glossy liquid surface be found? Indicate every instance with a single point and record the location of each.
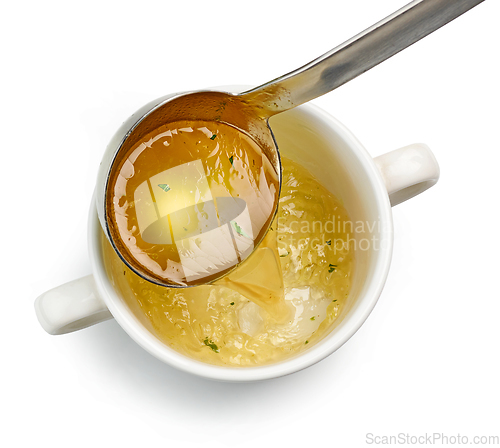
(221, 326)
(190, 201)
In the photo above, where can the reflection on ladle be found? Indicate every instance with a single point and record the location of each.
(189, 201)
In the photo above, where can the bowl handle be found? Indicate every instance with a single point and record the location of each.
(70, 307)
(408, 171)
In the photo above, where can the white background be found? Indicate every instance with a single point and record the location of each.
(427, 359)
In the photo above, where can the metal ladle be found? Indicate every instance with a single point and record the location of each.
(249, 111)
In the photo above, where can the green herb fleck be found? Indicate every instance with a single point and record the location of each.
(332, 267)
(284, 255)
(329, 242)
(213, 137)
(334, 300)
(231, 160)
(313, 318)
(232, 303)
(307, 342)
(210, 343)
(185, 229)
(164, 187)
(239, 230)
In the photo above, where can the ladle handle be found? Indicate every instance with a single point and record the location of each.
(357, 55)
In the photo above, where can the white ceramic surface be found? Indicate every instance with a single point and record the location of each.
(367, 188)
